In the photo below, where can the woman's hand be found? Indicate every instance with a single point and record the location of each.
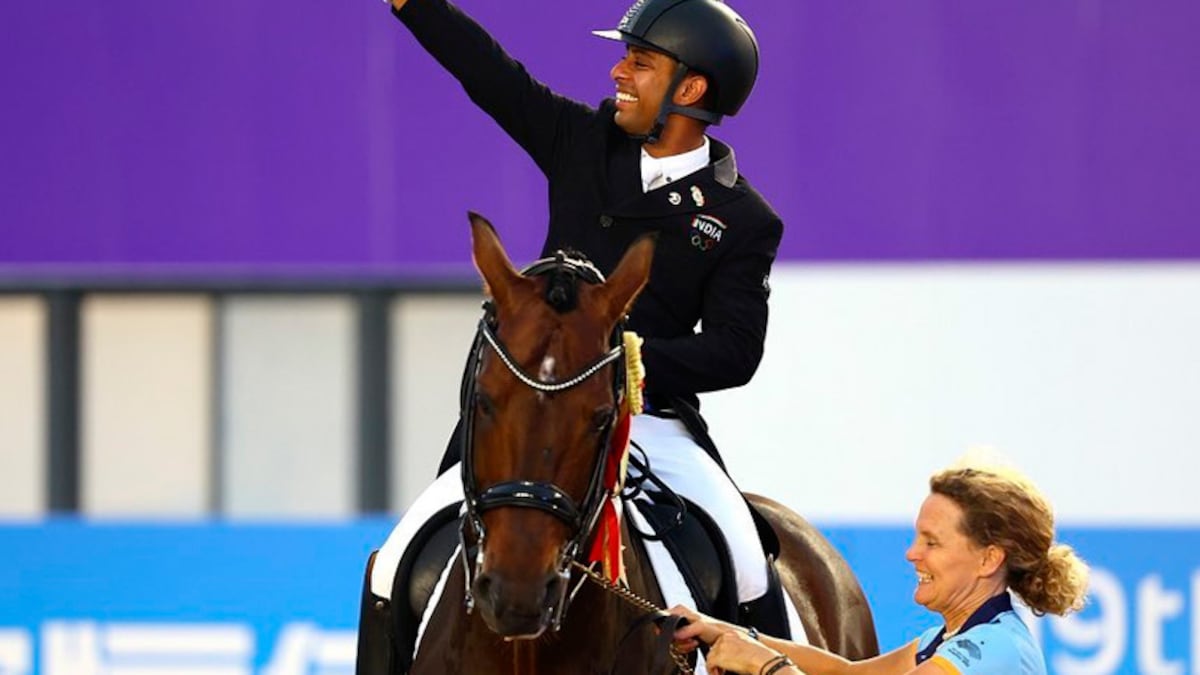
(737, 652)
(700, 628)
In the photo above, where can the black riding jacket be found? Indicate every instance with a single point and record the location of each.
(717, 236)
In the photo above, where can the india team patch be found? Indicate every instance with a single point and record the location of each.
(707, 232)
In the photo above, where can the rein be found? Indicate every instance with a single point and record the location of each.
(654, 614)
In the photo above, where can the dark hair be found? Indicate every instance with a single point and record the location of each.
(1004, 509)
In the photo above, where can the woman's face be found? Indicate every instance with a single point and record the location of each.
(947, 563)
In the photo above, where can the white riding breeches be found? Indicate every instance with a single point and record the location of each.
(674, 457)
(688, 470)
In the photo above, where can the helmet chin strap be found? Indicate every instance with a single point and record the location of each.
(668, 106)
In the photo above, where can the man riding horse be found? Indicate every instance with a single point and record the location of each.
(640, 163)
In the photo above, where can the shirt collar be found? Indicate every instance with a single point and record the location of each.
(995, 606)
(673, 167)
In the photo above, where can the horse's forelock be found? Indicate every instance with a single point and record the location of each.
(562, 290)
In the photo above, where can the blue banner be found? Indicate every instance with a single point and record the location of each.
(83, 599)
(277, 599)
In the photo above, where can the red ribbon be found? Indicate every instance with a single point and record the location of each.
(606, 544)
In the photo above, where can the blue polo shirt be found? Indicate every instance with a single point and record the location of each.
(993, 641)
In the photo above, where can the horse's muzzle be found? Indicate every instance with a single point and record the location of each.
(518, 610)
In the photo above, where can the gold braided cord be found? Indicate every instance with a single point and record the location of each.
(680, 659)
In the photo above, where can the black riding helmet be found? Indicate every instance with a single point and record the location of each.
(702, 35)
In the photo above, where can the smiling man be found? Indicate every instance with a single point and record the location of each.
(642, 162)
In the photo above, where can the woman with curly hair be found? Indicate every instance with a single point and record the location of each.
(981, 535)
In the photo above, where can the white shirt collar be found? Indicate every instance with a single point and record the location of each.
(658, 171)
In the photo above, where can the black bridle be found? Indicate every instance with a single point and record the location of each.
(580, 517)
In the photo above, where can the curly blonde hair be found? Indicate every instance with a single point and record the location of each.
(1004, 509)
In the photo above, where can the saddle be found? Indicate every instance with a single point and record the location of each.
(418, 572)
(698, 548)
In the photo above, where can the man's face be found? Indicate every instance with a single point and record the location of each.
(642, 78)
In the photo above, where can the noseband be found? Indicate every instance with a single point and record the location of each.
(580, 518)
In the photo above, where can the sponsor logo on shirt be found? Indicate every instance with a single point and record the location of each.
(965, 650)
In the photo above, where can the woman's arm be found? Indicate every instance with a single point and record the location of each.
(734, 650)
(738, 652)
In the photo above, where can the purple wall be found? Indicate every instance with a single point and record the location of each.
(317, 135)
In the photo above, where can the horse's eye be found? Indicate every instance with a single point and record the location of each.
(602, 418)
(484, 404)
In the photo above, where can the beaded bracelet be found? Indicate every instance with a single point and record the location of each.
(775, 665)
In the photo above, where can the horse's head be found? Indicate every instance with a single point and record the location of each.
(541, 397)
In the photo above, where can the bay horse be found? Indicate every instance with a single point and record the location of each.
(544, 393)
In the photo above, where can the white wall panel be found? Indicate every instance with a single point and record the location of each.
(22, 406)
(430, 338)
(146, 405)
(288, 406)
(1085, 376)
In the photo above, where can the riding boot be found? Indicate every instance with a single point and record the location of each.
(767, 613)
(375, 649)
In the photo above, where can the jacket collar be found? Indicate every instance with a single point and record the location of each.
(674, 167)
(724, 165)
(710, 187)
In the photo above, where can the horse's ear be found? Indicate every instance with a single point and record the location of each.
(493, 264)
(630, 276)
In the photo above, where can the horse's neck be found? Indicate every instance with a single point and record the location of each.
(599, 620)
(638, 572)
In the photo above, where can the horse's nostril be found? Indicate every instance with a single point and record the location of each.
(553, 587)
(483, 586)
